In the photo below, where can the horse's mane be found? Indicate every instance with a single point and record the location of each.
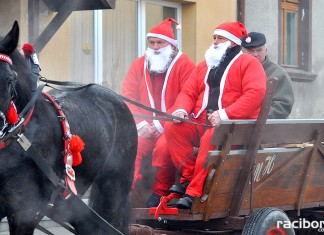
(24, 82)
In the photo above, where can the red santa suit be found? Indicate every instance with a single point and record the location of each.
(242, 89)
(138, 86)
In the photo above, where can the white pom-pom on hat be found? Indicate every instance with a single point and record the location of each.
(248, 39)
(179, 27)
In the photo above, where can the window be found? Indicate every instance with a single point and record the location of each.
(105, 43)
(290, 34)
(296, 40)
(150, 13)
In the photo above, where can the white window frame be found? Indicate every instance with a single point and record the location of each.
(141, 29)
(141, 14)
(98, 45)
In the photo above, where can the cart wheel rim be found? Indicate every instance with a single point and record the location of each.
(276, 231)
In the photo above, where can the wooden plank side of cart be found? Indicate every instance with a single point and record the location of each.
(287, 172)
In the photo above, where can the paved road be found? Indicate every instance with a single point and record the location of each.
(54, 230)
(46, 223)
(57, 230)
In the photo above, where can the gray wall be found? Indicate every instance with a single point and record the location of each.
(262, 16)
(8, 16)
(318, 61)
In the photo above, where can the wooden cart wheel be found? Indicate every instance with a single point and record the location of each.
(263, 221)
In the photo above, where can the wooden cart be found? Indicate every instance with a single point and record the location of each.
(265, 175)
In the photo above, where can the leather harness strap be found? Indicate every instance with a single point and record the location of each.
(16, 133)
(24, 118)
(74, 86)
(42, 164)
(169, 116)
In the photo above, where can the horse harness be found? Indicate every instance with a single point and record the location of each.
(15, 132)
(66, 189)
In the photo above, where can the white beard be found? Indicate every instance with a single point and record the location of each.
(159, 60)
(215, 53)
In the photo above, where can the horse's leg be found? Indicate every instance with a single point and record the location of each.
(112, 203)
(110, 190)
(70, 211)
(85, 227)
(110, 193)
(2, 213)
(23, 222)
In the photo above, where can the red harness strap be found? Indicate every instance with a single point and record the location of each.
(70, 174)
(2, 145)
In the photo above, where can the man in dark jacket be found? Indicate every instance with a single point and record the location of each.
(283, 97)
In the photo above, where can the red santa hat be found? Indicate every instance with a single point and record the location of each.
(164, 31)
(233, 31)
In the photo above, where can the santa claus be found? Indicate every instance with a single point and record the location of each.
(155, 80)
(226, 85)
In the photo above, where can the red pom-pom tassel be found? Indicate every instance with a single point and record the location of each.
(28, 49)
(76, 146)
(12, 116)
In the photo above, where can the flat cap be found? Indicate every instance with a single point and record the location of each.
(257, 40)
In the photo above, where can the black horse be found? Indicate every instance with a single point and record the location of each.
(94, 113)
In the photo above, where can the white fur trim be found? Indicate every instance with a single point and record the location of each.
(163, 106)
(161, 36)
(222, 114)
(179, 110)
(228, 35)
(141, 124)
(222, 84)
(206, 94)
(158, 126)
(147, 87)
(223, 80)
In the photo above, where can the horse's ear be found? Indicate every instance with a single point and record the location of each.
(10, 41)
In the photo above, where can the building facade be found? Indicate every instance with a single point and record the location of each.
(293, 29)
(98, 44)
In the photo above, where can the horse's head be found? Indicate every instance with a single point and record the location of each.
(8, 76)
